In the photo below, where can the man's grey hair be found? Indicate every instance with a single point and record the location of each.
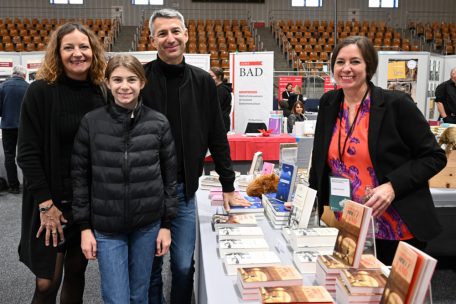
(165, 13)
(452, 70)
(19, 70)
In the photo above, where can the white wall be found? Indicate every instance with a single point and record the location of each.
(429, 10)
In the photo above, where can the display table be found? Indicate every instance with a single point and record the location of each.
(445, 243)
(243, 147)
(212, 285)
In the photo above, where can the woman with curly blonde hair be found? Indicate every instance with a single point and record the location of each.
(67, 87)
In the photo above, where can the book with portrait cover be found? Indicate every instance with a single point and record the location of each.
(344, 296)
(363, 280)
(269, 276)
(296, 294)
(353, 228)
(410, 276)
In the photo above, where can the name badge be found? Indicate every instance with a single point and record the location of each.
(339, 192)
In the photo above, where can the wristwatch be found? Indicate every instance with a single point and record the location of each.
(45, 209)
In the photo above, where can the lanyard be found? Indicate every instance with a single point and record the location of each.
(352, 127)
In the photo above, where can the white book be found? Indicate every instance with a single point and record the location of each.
(257, 163)
(239, 233)
(308, 237)
(306, 260)
(286, 233)
(233, 261)
(209, 180)
(303, 203)
(233, 220)
(242, 245)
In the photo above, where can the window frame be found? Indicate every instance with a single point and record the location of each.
(66, 2)
(133, 2)
(395, 4)
(297, 3)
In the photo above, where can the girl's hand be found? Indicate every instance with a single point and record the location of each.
(163, 241)
(88, 244)
(51, 223)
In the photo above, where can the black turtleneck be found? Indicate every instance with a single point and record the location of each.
(76, 98)
(174, 74)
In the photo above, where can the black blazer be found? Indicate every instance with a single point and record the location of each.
(403, 151)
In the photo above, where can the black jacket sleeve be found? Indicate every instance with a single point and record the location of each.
(218, 142)
(168, 165)
(31, 142)
(81, 175)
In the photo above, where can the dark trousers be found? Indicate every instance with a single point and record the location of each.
(386, 249)
(9, 139)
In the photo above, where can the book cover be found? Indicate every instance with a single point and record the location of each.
(309, 237)
(270, 276)
(233, 261)
(257, 163)
(295, 294)
(255, 206)
(410, 276)
(303, 202)
(286, 182)
(233, 220)
(364, 280)
(242, 245)
(268, 168)
(353, 228)
(306, 260)
(343, 295)
(239, 232)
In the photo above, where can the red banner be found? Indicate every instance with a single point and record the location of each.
(328, 85)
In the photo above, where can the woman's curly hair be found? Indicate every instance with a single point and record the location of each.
(52, 66)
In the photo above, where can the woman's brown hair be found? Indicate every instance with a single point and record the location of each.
(52, 66)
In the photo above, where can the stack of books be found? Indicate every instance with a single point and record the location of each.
(216, 196)
(242, 245)
(233, 261)
(233, 220)
(306, 260)
(410, 276)
(251, 279)
(360, 286)
(243, 182)
(321, 239)
(329, 269)
(229, 233)
(296, 294)
(275, 211)
(255, 208)
(207, 182)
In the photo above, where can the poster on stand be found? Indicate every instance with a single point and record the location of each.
(32, 65)
(252, 76)
(402, 76)
(284, 80)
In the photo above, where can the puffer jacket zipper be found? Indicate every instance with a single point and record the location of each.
(126, 170)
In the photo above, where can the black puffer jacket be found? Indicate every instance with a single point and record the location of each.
(123, 170)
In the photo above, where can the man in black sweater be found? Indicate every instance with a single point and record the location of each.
(188, 97)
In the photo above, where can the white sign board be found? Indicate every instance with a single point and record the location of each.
(252, 78)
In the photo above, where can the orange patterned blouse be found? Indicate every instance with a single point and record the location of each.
(356, 165)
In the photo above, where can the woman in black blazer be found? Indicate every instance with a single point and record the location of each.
(381, 142)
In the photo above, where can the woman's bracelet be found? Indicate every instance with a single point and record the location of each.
(45, 209)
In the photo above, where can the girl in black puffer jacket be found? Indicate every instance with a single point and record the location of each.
(124, 179)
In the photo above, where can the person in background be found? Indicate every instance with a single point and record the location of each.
(12, 92)
(381, 144)
(185, 95)
(121, 212)
(286, 96)
(296, 115)
(296, 96)
(223, 93)
(445, 97)
(67, 87)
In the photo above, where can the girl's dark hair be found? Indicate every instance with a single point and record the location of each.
(367, 49)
